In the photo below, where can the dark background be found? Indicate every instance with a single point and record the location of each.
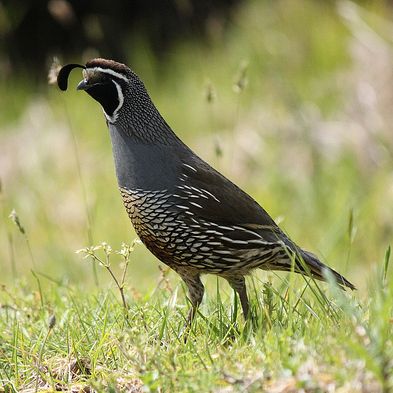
(33, 31)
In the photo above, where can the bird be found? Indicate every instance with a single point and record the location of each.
(190, 216)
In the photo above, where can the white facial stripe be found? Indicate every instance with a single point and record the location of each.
(120, 96)
(108, 71)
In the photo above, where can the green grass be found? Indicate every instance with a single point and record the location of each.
(308, 135)
(301, 336)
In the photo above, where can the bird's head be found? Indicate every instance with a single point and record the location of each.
(123, 98)
(107, 81)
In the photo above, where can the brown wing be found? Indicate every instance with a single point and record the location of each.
(208, 195)
(230, 204)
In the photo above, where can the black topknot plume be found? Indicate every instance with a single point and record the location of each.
(62, 77)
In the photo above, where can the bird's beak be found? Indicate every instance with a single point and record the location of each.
(82, 85)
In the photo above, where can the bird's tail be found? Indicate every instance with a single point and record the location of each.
(309, 264)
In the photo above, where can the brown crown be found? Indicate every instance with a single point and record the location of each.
(111, 64)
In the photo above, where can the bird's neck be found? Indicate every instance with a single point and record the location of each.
(142, 121)
(141, 164)
(145, 149)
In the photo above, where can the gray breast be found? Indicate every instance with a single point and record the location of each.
(140, 165)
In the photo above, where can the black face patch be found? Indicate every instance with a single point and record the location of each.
(106, 94)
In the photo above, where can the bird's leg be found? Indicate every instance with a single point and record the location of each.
(195, 291)
(238, 283)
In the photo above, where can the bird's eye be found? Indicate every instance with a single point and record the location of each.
(96, 78)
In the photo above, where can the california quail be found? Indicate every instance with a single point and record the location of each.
(187, 214)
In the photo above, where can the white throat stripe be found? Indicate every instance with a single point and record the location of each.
(120, 96)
